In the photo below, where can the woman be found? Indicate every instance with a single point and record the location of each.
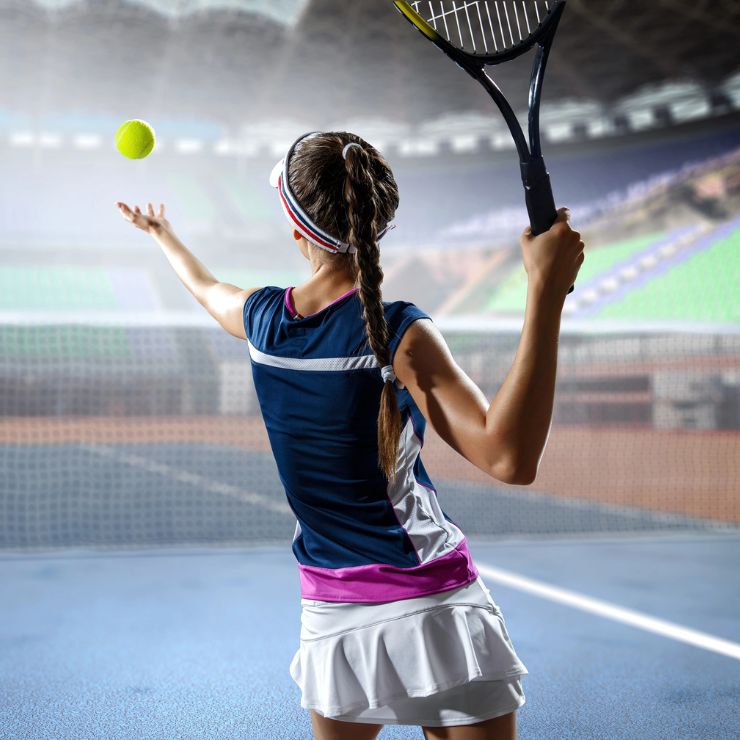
(397, 626)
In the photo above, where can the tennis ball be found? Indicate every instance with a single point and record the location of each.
(135, 139)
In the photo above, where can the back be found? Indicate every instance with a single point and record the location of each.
(358, 538)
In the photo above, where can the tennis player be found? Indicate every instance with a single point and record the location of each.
(397, 626)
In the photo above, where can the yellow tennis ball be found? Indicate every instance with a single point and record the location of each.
(135, 139)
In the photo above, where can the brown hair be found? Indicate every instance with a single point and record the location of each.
(354, 198)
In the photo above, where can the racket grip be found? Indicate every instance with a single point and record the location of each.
(538, 196)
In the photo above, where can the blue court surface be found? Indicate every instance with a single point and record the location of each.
(624, 637)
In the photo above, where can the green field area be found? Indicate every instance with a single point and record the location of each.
(512, 292)
(56, 288)
(703, 288)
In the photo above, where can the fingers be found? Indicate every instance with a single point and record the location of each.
(125, 211)
(559, 225)
(137, 218)
(149, 208)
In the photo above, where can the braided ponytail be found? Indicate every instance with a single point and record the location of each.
(351, 193)
(361, 196)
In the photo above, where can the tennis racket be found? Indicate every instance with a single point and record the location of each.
(476, 35)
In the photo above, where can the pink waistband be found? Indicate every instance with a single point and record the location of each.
(379, 582)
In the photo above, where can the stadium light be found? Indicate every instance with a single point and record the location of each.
(418, 147)
(383, 133)
(665, 105)
(574, 119)
(598, 127)
(462, 132)
(87, 141)
(690, 108)
(561, 131)
(224, 147)
(188, 146)
(21, 139)
(460, 125)
(279, 147)
(502, 141)
(731, 88)
(641, 119)
(464, 143)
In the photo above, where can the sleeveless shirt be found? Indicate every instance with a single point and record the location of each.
(358, 537)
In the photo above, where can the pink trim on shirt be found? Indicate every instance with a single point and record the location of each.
(294, 314)
(289, 304)
(378, 582)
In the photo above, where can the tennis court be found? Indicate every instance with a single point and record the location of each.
(150, 589)
(149, 583)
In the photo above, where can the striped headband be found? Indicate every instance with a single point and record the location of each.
(297, 217)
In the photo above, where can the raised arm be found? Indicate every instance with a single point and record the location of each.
(506, 437)
(223, 301)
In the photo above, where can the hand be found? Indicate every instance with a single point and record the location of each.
(150, 223)
(552, 259)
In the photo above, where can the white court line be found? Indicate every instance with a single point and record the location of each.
(507, 578)
(224, 489)
(612, 611)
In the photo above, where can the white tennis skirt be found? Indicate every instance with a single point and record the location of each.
(437, 660)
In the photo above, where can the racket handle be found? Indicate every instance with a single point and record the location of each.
(538, 196)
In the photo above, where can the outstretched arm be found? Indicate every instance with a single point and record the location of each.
(223, 301)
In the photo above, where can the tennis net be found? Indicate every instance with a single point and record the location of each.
(146, 431)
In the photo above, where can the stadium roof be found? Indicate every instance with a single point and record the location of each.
(282, 11)
(240, 62)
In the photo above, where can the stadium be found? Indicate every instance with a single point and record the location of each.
(128, 417)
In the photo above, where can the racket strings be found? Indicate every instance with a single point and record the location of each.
(484, 26)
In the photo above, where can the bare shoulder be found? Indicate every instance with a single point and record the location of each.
(225, 302)
(450, 401)
(422, 351)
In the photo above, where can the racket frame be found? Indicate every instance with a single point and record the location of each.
(535, 178)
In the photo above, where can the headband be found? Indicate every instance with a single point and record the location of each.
(297, 217)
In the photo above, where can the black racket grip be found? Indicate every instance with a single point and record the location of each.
(538, 196)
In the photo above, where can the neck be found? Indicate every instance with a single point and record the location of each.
(322, 289)
(323, 279)
(328, 280)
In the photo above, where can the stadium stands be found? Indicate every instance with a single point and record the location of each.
(454, 251)
(699, 283)
(448, 195)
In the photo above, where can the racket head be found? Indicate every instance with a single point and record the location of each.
(481, 32)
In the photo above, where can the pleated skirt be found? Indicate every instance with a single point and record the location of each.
(438, 660)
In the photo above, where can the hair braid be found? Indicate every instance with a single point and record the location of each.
(361, 196)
